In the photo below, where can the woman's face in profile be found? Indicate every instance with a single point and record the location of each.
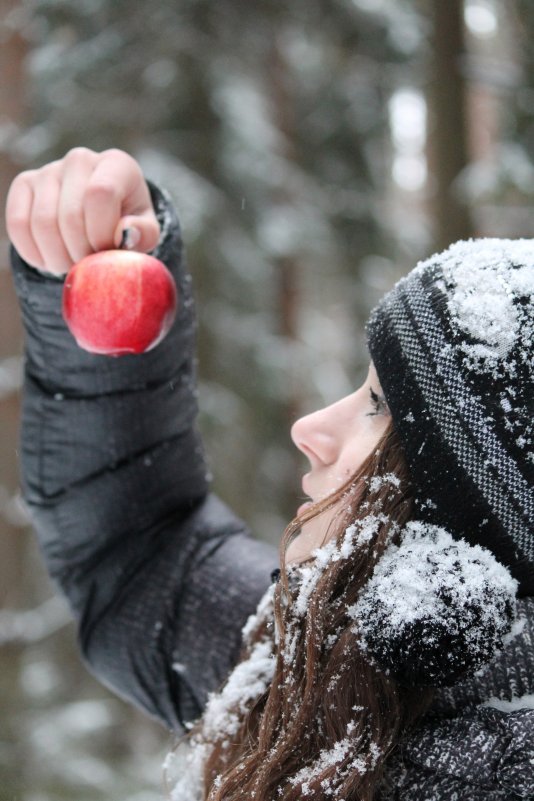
(336, 440)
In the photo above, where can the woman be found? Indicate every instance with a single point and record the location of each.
(391, 654)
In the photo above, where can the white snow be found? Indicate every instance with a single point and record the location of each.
(338, 753)
(358, 533)
(485, 279)
(326, 759)
(183, 768)
(408, 577)
(248, 681)
(263, 609)
(377, 482)
(517, 628)
(514, 705)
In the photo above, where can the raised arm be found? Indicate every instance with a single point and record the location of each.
(160, 575)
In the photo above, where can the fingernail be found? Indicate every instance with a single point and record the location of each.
(130, 238)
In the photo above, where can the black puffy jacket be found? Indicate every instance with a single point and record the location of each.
(161, 575)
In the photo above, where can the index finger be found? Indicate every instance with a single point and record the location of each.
(18, 214)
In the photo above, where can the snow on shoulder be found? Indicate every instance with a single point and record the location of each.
(250, 678)
(435, 607)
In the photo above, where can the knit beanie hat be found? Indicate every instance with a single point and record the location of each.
(453, 347)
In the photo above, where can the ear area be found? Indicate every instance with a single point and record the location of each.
(436, 609)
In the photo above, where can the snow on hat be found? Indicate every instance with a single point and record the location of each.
(453, 347)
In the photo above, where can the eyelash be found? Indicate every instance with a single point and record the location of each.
(378, 402)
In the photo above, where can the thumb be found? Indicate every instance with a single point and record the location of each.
(137, 232)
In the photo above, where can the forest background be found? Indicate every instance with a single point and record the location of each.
(315, 152)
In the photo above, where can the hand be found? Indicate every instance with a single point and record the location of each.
(80, 204)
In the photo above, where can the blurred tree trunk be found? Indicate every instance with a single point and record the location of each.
(447, 103)
(288, 267)
(517, 185)
(288, 294)
(520, 127)
(13, 539)
(14, 536)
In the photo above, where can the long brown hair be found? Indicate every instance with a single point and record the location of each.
(324, 726)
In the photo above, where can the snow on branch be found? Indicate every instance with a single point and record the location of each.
(33, 625)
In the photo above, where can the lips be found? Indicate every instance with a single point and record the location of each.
(306, 505)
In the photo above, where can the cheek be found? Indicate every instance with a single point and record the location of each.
(348, 463)
(360, 446)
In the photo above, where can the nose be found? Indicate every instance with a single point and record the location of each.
(316, 436)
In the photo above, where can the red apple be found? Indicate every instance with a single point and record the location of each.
(119, 301)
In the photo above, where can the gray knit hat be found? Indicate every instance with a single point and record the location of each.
(453, 346)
